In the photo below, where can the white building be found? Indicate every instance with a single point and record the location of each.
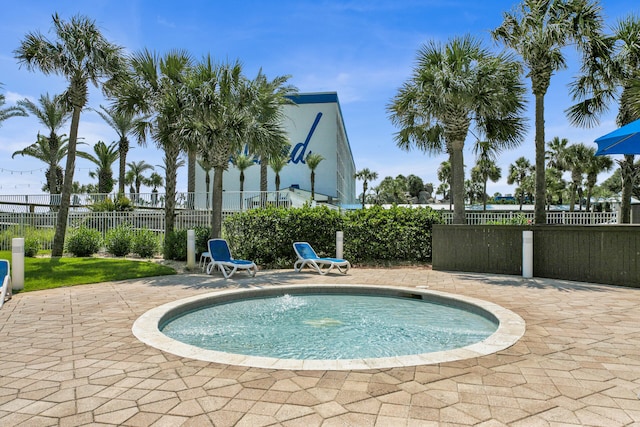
(314, 125)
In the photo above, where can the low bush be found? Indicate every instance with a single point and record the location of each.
(145, 243)
(175, 245)
(31, 246)
(84, 241)
(118, 241)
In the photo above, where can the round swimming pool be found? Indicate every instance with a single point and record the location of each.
(329, 327)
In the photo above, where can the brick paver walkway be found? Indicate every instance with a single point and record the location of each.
(68, 358)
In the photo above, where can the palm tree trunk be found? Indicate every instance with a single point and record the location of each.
(191, 178)
(626, 170)
(364, 191)
(241, 189)
(207, 183)
(263, 181)
(216, 212)
(124, 149)
(171, 164)
(457, 171)
(63, 213)
(540, 215)
(484, 195)
(313, 185)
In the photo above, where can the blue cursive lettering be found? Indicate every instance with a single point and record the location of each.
(298, 152)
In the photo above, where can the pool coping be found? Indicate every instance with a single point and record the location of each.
(511, 327)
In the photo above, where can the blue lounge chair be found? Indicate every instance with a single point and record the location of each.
(221, 258)
(308, 257)
(5, 277)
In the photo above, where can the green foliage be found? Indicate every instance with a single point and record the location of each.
(31, 246)
(121, 204)
(266, 235)
(119, 240)
(519, 219)
(84, 241)
(145, 243)
(395, 234)
(35, 238)
(175, 245)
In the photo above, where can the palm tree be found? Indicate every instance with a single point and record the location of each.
(207, 166)
(82, 55)
(538, 31)
(595, 165)
(154, 181)
(518, 172)
(216, 114)
(53, 114)
(365, 175)
(575, 160)
(611, 74)
(444, 176)
(8, 112)
(124, 123)
(242, 162)
(278, 163)
(104, 157)
(269, 138)
(41, 150)
(313, 160)
(556, 152)
(453, 86)
(487, 169)
(135, 174)
(153, 91)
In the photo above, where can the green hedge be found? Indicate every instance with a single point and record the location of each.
(370, 235)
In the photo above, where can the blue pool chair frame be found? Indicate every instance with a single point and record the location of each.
(5, 277)
(221, 259)
(307, 257)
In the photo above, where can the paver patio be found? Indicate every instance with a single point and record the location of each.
(68, 357)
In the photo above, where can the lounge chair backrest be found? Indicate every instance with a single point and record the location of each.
(219, 250)
(305, 251)
(4, 269)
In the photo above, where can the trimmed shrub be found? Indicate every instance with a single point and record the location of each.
(84, 241)
(145, 243)
(31, 246)
(119, 240)
(175, 245)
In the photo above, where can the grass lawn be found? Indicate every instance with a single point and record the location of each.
(48, 273)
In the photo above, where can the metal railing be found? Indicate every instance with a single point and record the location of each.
(561, 217)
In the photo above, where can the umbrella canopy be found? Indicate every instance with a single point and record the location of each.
(625, 140)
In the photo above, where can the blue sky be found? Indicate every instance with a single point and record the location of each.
(363, 50)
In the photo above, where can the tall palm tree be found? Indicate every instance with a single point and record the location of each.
(53, 114)
(518, 173)
(242, 162)
(154, 181)
(135, 174)
(216, 114)
(313, 160)
(41, 150)
(124, 123)
(82, 55)
(610, 75)
(153, 90)
(487, 169)
(556, 152)
(105, 156)
(595, 166)
(207, 166)
(8, 112)
(538, 30)
(575, 160)
(454, 86)
(365, 175)
(272, 96)
(278, 163)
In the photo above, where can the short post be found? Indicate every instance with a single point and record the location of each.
(527, 254)
(17, 263)
(191, 249)
(339, 244)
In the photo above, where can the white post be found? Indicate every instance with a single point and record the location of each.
(339, 244)
(191, 249)
(17, 263)
(527, 254)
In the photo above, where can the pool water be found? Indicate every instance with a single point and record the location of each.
(329, 326)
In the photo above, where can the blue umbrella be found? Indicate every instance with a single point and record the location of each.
(625, 140)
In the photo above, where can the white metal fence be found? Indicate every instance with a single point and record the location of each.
(42, 225)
